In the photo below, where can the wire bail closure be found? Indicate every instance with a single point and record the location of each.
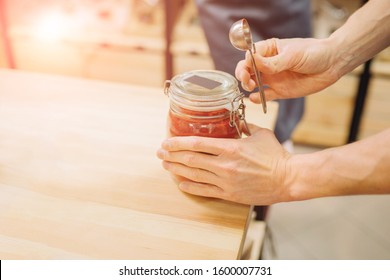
(240, 113)
(167, 84)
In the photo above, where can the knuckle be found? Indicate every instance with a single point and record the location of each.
(196, 175)
(231, 170)
(189, 159)
(233, 149)
(195, 142)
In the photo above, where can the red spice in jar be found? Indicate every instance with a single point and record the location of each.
(217, 127)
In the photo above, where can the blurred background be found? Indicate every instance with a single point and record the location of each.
(145, 42)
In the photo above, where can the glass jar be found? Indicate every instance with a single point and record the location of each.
(205, 103)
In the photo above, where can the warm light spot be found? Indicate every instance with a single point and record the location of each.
(51, 27)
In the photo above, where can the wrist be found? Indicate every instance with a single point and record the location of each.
(339, 57)
(304, 176)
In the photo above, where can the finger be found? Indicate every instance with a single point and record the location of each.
(249, 86)
(255, 98)
(267, 57)
(214, 146)
(269, 93)
(205, 190)
(243, 70)
(267, 65)
(243, 74)
(194, 174)
(240, 67)
(267, 47)
(190, 159)
(270, 65)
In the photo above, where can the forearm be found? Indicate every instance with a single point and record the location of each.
(364, 34)
(358, 168)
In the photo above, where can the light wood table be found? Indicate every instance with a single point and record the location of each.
(79, 178)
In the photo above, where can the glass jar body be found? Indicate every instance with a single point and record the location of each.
(204, 103)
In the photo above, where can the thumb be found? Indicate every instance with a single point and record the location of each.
(271, 65)
(268, 57)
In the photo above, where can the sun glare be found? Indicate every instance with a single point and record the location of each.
(51, 27)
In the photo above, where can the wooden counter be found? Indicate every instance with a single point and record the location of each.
(79, 178)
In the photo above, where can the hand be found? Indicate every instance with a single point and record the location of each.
(249, 170)
(290, 67)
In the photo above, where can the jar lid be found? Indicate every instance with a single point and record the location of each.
(204, 85)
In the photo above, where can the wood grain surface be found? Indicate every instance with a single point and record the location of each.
(79, 178)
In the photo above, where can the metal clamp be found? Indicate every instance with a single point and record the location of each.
(167, 85)
(240, 113)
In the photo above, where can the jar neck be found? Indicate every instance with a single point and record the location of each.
(204, 104)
